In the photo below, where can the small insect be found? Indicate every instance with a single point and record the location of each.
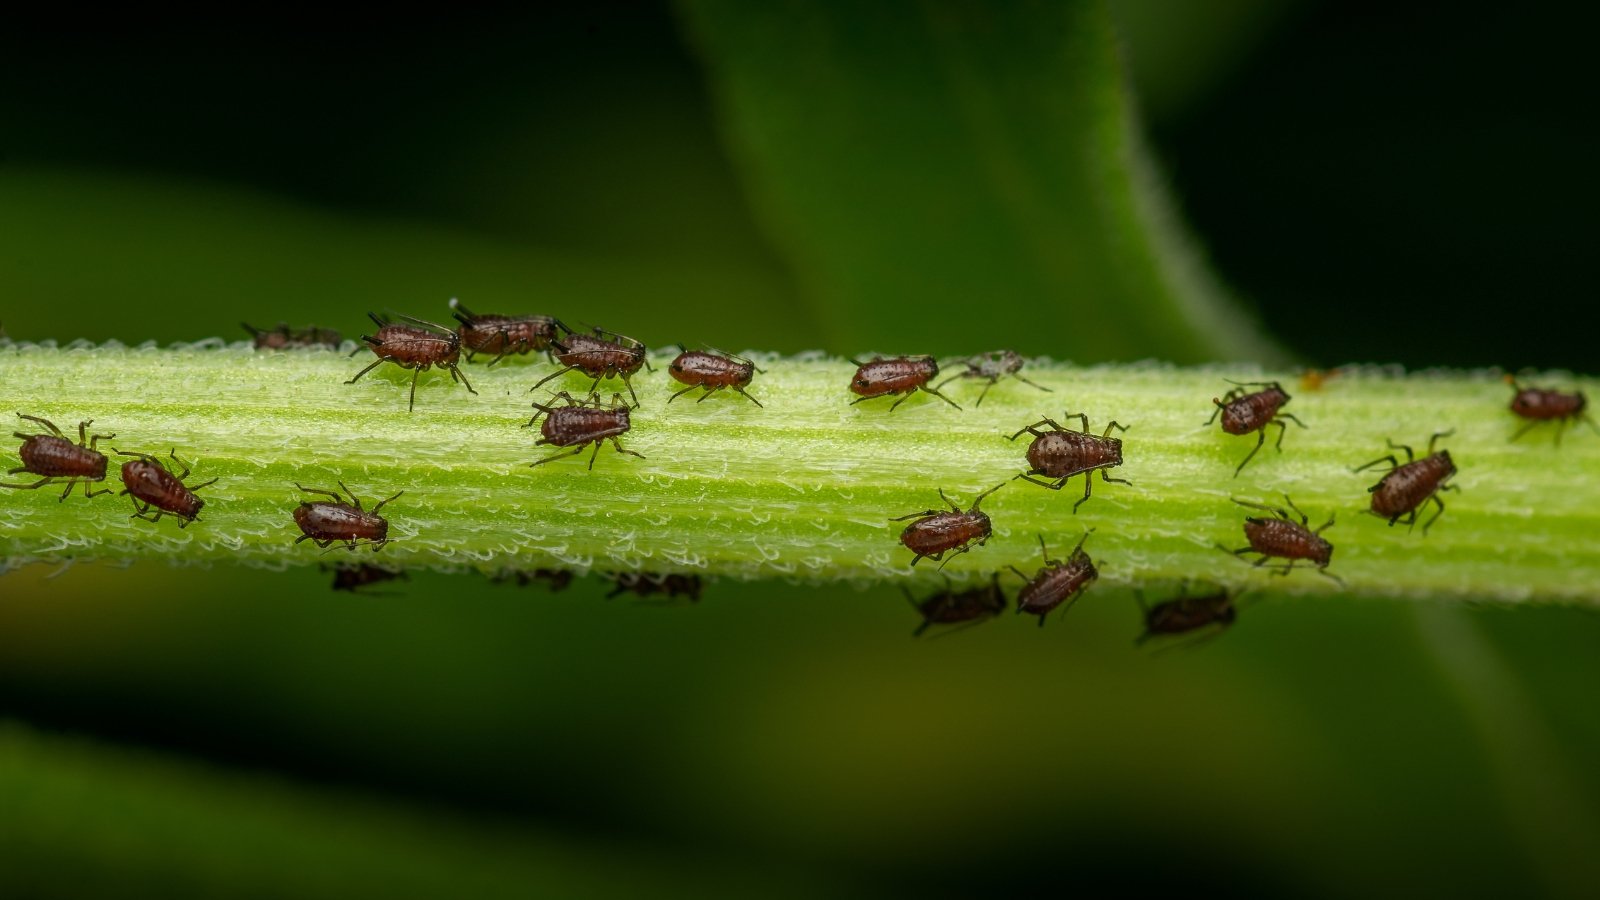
(581, 423)
(55, 457)
(1058, 584)
(1186, 614)
(1284, 538)
(326, 523)
(644, 585)
(959, 608)
(284, 338)
(599, 358)
(418, 346)
(492, 333)
(558, 579)
(901, 375)
(354, 577)
(937, 532)
(712, 371)
(1243, 412)
(150, 485)
(992, 367)
(1317, 379)
(1405, 487)
(1060, 454)
(1539, 405)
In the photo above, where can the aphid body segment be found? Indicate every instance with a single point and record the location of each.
(1058, 584)
(501, 335)
(1185, 615)
(1060, 454)
(959, 608)
(353, 578)
(1282, 537)
(282, 337)
(900, 375)
(1407, 486)
(645, 585)
(55, 457)
(147, 481)
(418, 346)
(581, 423)
(325, 523)
(937, 532)
(992, 367)
(599, 357)
(1244, 411)
(1539, 405)
(713, 372)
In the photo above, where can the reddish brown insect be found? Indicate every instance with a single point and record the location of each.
(581, 423)
(1405, 487)
(1244, 411)
(151, 486)
(960, 608)
(992, 367)
(558, 579)
(354, 578)
(1539, 405)
(901, 375)
(325, 523)
(56, 457)
(1284, 538)
(1058, 584)
(712, 371)
(418, 346)
(644, 585)
(1185, 614)
(284, 338)
(1060, 454)
(937, 532)
(599, 358)
(501, 335)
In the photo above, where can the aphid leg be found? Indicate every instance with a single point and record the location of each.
(682, 392)
(1442, 434)
(556, 374)
(1409, 455)
(1303, 518)
(1263, 507)
(1105, 475)
(375, 363)
(979, 499)
(573, 452)
(903, 398)
(919, 515)
(1056, 485)
(1030, 383)
(1114, 424)
(1216, 412)
(1261, 438)
(1337, 580)
(412, 406)
(629, 382)
(619, 448)
(1088, 487)
(1083, 421)
(1326, 525)
(1290, 417)
(25, 487)
(455, 373)
(748, 397)
(1589, 420)
(933, 556)
(71, 483)
(1429, 524)
(935, 392)
(1282, 430)
(384, 502)
(985, 392)
(955, 553)
(1393, 464)
(709, 391)
(337, 498)
(1033, 429)
(45, 422)
(95, 438)
(185, 473)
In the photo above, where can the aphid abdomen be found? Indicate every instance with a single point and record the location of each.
(54, 457)
(1062, 454)
(574, 425)
(1409, 486)
(1288, 540)
(149, 482)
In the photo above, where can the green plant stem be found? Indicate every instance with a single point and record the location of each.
(806, 486)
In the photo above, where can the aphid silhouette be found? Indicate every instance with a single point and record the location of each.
(1059, 583)
(1212, 613)
(961, 609)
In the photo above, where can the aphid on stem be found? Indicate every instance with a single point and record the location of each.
(905, 375)
(599, 358)
(1059, 454)
(283, 337)
(325, 523)
(1539, 405)
(1058, 584)
(581, 423)
(1244, 411)
(418, 346)
(992, 367)
(713, 371)
(149, 483)
(1284, 538)
(1407, 486)
(962, 609)
(937, 532)
(502, 335)
(56, 457)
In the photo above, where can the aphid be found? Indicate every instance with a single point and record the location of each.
(580, 423)
(1405, 487)
(1060, 454)
(992, 367)
(960, 608)
(354, 577)
(150, 485)
(643, 584)
(418, 346)
(1285, 538)
(1059, 583)
(504, 335)
(56, 457)
(937, 532)
(712, 371)
(324, 523)
(1539, 405)
(558, 579)
(1243, 412)
(901, 375)
(599, 358)
(1317, 379)
(284, 338)
(1184, 614)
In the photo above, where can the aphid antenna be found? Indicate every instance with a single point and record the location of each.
(424, 323)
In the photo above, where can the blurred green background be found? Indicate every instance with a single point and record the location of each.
(1379, 184)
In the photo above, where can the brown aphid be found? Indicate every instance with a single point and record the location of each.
(147, 481)
(418, 346)
(712, 371)
(937, 532)
(581, 423)
(1539, 405)
(669, 585)
(1058, 584)
(906, 375)
(501, 335)
(1060, 454)
(1185, 615)
(992, 367)
(959, 608)
(56, 457)
(599, 358)
(557, 579)
(1244, 411)
(325, 523)
(283, 337)
(353, 578)
(1407, 486)
(1282, 537)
